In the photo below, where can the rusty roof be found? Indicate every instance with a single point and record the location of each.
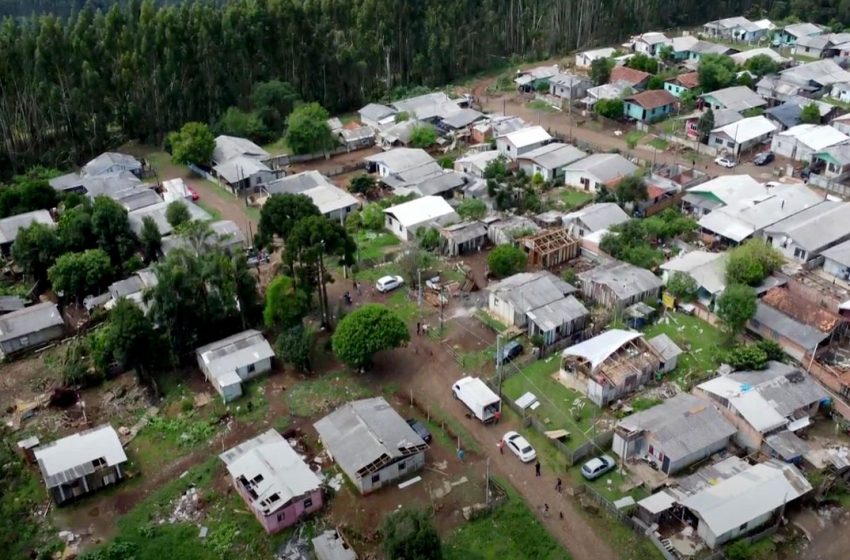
(689, 79)
(800, 309)
(630, 75)
(653, 98)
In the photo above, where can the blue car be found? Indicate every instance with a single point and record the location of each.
(508, 352)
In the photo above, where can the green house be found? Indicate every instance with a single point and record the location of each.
(649, 106)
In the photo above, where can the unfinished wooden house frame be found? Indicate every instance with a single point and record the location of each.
(551, 247)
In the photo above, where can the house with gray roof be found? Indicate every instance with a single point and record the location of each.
(112, 162)
(427, 107)
(240, 163)
(462, 119)
(598, 171)
(666, 349)
(570, 87)
(157, 212)
(224, 234)
(708, 270)
(792, 33)
(377, 116)
(594, 217)
(675, 434)
(278, 487)
(333, 202)
(371, 443)
(133, 288)
(463, 238)
(617, 285)
(136, 197)
(737, 98)
(9, 227)
(836, 261)
(228, 362)
(736, 28)
(550, 160)
(30, 327)
(807, 234)
(81, 463)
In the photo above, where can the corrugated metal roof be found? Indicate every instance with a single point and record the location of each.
(597, 349)
(242, 349)
(665, 346)
(707, 269)
(553, 156)
(528, 136)
(71, 457)
(624, 279)
(529, 290)
(29, 320)
(599, 216)
(605, 167)
(229, 147)
(552, 315)
(420, 210)
(9, 227)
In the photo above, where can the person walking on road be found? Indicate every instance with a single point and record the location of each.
(537, 468)
(558, 486)
(501, 447)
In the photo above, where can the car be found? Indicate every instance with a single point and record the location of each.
(193, 193)
(508, 352)
(763, 158)
(388, 283)
(725, 161)
(520, 446)
(420, 429)
(597, 466)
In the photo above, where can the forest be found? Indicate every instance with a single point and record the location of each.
(73, 86)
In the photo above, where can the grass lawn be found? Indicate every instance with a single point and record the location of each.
(659, 144)
(405, 308)
(277, 148)
(510, 531)
(478, 359)
(540, 105)
(573, 198)
(319, 394)
(490, 321)
(371, 245)
(633, 137)
(216, 215)
(701, 342)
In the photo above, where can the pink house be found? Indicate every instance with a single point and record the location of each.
(274, 482)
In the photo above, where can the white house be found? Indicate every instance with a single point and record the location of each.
(475, 163)
(651, 43)
(708, 270)
(175, 189)
(522, 141)
(550, 160)
(800, 142)
(804, 236)
(742, 135)
(228, 362)
(585, 59)
(240, 163)
(376, 116)
(597, 171)
(333, 202)
(594, 217)
(404, 219)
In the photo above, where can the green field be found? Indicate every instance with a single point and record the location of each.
(573, 198)
(322, 393)
(372, 245)
(701, 342)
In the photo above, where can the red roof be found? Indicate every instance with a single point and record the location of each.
(630, 75)
(690, 79)
(653, 98)
(803, 310)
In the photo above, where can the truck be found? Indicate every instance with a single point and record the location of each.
(478, 398)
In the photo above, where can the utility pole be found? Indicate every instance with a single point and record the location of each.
(487, 483)
(419, 284)
(499, 364)
(323, 292)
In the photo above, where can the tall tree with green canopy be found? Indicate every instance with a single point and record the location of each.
(716, 71)
(600, 71)
(294, 346)
(133, 343)
(409, 533)
(35, 250)
(735, 306)
(151, 239)
(75, 228)
(761, 65)
(363, 184)
(194, 143)
(279, 215)
(631, 189)
(366, 331)
(28, 192)
(78, 275)
(307, 129)
(705, 125)
(177, 213)
(810, 114)
(423, 136)
(273, 101)
(682, 286)
(506, 260)
(244, 124)
(111, 229)
(752, 262)
(286, 305)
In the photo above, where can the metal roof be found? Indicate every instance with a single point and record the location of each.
(803, 29)
(806, 336)
(29, 320)
(399, 160)
(840, 253)
(462, 118)
(229, 147)
(822, 72)
(604, 167)
(629, 75)
(325, 195)
(747, 129)
(598, 216)
(554, 155)
(225, 234)
(71, 457)
(738, 98)
(421, 210)
(707, 269)
(11, 303)
(665, 346)
(240, 168)
(552, 315)
(816, 137)
(225, 356)
(465, 231)
(270, 467)
(330, 545)
(817, 227)
(787, 445)
(658, 502)
(624, 279)
(526, 291)
(742, 57)
(527, 136)
(427, 106)
(106, 160)
(787, 114)
(730, 188)
(376, 112)
(9, 227)
(597, 349)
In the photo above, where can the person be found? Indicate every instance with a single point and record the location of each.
(558, 486)
(497, 416)
(561, 515)
(546, 510)
(460, 454)
(501, 447)
(358, 288)
(418, 328)
(537, 468)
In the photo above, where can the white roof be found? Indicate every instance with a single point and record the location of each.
(816, 137)
(325, 195)
(229, 147)
(223, 357)
(755, 409)
(479, 159)
(175, 189)
(658, 502)
(400, 160)
(421, 210)
(71, 457)
(269, 465)
(742, 57)
(653, 38)
(597, 349)
(241, 167)
(528, 136)
(730, 188)
(604, 167)
(158, 213)
(746, 496)
(747, 129)
(707, 269)
(599, 53)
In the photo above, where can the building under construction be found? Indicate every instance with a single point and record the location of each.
(551, 248)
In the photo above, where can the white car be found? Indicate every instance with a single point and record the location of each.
(388, 283)
(520, 446)
(598, 466)
(725, 161)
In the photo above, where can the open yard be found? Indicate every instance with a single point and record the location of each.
(573, 198)
(371, 246)
(702, 345)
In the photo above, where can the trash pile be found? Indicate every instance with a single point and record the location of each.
(188, 508)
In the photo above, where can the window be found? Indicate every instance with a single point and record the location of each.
(799, 253)
(730, 144)
(280, 516)
(401, 466)
(376, 478)
(99, 462)
(252, 368)
(308, 503)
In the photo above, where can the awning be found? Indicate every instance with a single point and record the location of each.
(799, 424)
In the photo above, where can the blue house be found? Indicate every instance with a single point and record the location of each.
(790, 34)
(682, 83)
(649, 106)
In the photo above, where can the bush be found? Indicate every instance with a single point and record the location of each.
(752, 262)
(747, 357)
(505, 260)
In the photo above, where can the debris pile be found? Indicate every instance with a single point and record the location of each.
(188, 508)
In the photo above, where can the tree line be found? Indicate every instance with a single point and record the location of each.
(70, 87)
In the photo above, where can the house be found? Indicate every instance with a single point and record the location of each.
(517, 143)
(760, 403)
(331, 545)
(816, 77)
(735, 29)
(509, 230)
(667, 350)
(616, 90)
(841, 123)
(792, 33)
(136, 197)
(585, 59)
(30, 327)
(133, 287)
(742, 136)
(598, 171)
(376, 116)
(690, 49)
(81, 463)
(837, 261)
(9, 227)
(651, 43)
(11, 303)
(278, 487)
(721, 119)
(675, 434)
(461, 121)
(463, 238)
(601, 216)
(333, 202)
(841, 92)
(399, 161)
(397, 134)
(228, 362)
(737, 98)
(822, 46)
(720, 191)
(610, 365)
(742, 57)
(225, 234)
(356, 137)
(429, 107)
(708, 270)
(569, 87)
(529, 80)
(371, 443)
(428, 211)
(240, 163)
(805, 235)
(540, 302)
(494, 126)
(635, 79)
(747, 218)
(800, 325)
(801, 142)
(175, 189)
(834, 165)
(775, 88)
(475, 163)
(95, 185)
(157, 212)
(785, 116)
(109, 163)
(649, 106)
(682, 83)
(550, 160)
(616, 285)
(747, 501)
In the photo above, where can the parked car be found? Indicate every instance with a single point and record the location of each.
(597, 466)
(520, 446)
(508, 352)
(420, 429)
(725, 161)
(763, 158)
(255, 257)
(388, 283)
(194, 193)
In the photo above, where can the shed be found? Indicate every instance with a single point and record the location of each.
(228, 362)
(551, 247)
(668, 351)
(30, 327)
(462, 238)
(786, 446)
(518, 143)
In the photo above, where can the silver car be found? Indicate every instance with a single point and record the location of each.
(598, 466)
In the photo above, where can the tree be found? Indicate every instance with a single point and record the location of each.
(810, 114)
(631, 189)
(294, 346)
(80, 274)
(629, 242)
(666, 53)
(111, 229)
(151, 239)
(497, 169)
(308, 131)
(401, 116)
(682, 286)
(35, 250)
(177, 213)
(610, 108)
(600, 71)
(428, 238)
(542, 86)
(235, 122)
(366, 331)
(772, 349)
(705, 125)
(372, 217)
(75, 228)
(735, 306)
(362, 184)
(506, 260)
(286, 305)
(655, 82)
(752, 262)
(472, 209)
(194, 143)
(747, 357)
(409, 534)
(273, 101)
(423, 136)
(761, 65)
(131, 340)
(643, 62)
(28, 192)
(279, 215)
(716, 71)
